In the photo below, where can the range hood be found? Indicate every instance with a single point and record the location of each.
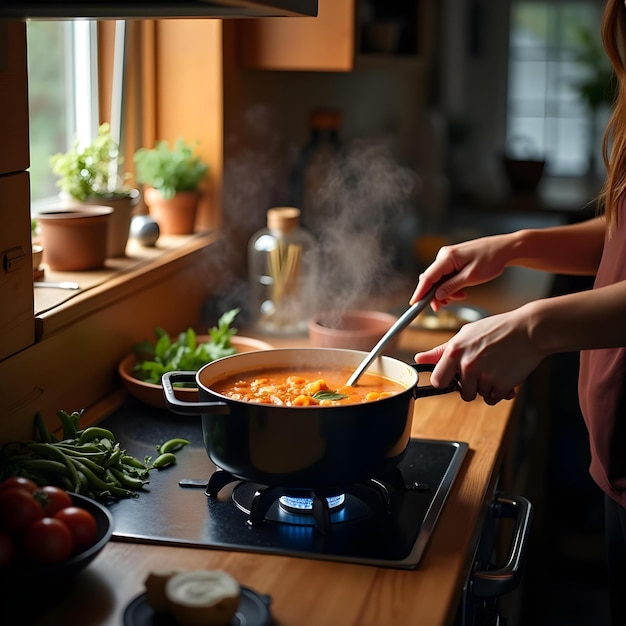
(155, 9)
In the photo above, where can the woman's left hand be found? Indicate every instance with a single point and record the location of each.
(491, 357)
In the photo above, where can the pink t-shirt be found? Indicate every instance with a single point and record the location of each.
(602, 383)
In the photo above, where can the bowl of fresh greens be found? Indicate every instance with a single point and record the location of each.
(142, 369)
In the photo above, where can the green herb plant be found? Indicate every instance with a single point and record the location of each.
(170, 170)
(91, 171)
(184, 353)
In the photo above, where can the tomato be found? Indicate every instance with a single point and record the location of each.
(52, 499)
(18, 509)
(8, 551)
(82, 525)
(19, 481)
(47, 540)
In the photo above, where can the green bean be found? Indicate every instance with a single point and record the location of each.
(82, 448)
(163, 460)
(114, 456)
(69, 422)
(48, 466)
(109, 476)
(171, 445)
(96, 468)
(127, 480)
(56, 454)
(95, 432)
(133, 462)
(88, 461)
(42, 430)
(103, 487)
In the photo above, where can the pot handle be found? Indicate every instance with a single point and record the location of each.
(188, 408)
(428, 390)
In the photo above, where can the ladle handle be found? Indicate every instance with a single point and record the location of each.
(399, 325)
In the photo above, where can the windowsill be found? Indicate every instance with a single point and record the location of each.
(56, 307)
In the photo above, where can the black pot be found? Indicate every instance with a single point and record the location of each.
(305, 447)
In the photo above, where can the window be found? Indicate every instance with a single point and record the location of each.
(547, 115)
(63, 94)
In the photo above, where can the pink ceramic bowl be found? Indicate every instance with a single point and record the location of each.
(352, 329)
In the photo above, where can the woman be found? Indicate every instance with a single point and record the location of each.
(592, 322)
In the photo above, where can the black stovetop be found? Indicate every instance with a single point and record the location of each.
(171, 514)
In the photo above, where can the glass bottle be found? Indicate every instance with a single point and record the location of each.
(317, 166)
(281, 266)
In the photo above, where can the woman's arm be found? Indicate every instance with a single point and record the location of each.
(574, 249)
(494, 355)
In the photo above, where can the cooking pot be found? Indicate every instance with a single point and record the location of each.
(305, 447)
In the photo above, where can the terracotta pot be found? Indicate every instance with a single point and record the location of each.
(176, 216)
(76, 238)
(119, 224)
(353, 329)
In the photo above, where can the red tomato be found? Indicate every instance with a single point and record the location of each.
(82, 525)
(47, 540)
(19, 481)
(18, 509)
(52, 499)
(7, 550)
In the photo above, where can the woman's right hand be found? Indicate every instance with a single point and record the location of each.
(469, 263)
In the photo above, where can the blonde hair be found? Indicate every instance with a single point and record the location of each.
(614, 140)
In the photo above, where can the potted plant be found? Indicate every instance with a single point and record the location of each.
(173, 176)
(90, 175)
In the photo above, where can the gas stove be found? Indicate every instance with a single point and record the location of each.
(385, 521)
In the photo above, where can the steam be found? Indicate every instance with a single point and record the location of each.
(364, 196)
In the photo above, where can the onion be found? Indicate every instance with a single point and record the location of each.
(203, 597)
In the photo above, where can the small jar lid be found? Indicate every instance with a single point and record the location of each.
(325, 118)
(284, 218)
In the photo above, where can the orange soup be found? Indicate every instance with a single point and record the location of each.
(306, 387)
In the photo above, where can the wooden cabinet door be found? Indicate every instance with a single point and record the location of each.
(17, 324)
(322, 43)
(13, 97)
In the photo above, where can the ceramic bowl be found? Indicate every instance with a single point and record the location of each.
(352, 329)
(152, 394)
(60, 573)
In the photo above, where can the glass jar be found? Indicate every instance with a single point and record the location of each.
(281, 270)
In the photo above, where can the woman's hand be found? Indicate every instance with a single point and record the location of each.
(491, 356)
(468, 263)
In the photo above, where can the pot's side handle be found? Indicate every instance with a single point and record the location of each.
(188, 408)
(422, 391)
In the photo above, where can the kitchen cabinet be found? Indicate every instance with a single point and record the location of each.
(346, 35)
(17, 324)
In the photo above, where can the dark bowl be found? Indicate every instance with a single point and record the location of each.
(523, 175)
(59, 573)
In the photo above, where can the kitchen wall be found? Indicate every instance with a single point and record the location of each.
(409, 107)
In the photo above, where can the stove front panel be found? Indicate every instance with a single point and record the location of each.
(167, 513)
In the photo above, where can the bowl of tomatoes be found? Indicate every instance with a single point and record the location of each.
(46, 533)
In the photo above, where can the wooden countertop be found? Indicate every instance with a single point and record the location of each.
(316, 593)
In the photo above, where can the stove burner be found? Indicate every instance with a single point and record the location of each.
(308, 507)
(294, 504)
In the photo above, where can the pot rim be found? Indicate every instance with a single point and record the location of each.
(303, 357)
(74, 212)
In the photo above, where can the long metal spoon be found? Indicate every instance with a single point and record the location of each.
(399, 325)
